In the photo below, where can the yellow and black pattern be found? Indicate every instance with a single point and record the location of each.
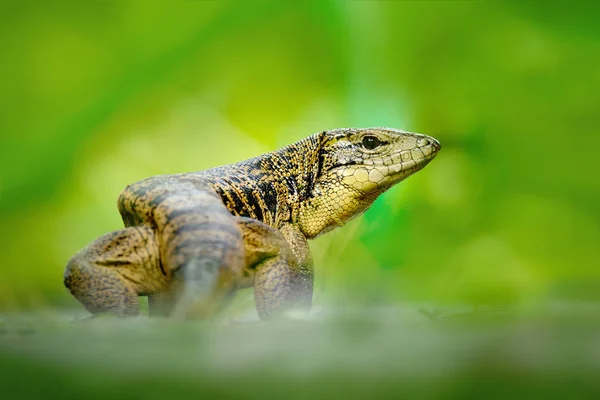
(193, 239)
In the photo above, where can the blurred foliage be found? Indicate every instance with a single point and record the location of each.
(100, 94)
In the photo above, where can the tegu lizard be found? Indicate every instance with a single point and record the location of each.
(191, 240)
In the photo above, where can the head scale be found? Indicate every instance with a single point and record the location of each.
(355, 167)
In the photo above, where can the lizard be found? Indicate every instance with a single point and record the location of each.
(191, 240)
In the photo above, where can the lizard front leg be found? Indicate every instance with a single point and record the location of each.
(303, 286)
(281, 265)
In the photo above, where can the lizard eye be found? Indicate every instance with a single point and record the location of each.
(371, 142)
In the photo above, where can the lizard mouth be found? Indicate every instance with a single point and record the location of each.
(407, 162)
(392, 169)
(402, 161)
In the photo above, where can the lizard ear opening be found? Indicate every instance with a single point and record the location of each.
(315, 160)
(322, 139)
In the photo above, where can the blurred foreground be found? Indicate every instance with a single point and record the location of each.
(391, 353)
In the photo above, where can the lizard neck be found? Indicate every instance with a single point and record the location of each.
(314, 207)
(297, 165)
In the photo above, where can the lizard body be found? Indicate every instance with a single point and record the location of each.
(190, 240)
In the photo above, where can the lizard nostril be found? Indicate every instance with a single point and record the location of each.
(429, 142)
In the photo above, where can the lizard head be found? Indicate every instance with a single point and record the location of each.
(373, 159)
(355, 167)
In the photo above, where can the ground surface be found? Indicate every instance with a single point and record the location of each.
(384, 353)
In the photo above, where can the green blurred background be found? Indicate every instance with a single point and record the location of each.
(97, 95)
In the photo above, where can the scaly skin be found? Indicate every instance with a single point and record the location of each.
(190, 240)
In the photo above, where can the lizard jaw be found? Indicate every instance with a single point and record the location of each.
(368, 178)
(410, 161)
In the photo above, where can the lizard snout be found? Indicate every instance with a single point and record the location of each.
(429, 141)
